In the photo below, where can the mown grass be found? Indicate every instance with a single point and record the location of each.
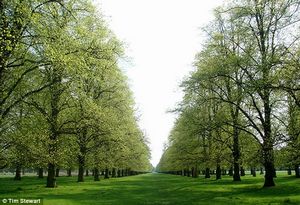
(151, 189)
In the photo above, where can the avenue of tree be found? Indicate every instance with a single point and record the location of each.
(241, 105)
(64, 102)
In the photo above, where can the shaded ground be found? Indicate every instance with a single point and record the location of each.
(154, 189)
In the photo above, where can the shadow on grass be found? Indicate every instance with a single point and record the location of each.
(155, 189)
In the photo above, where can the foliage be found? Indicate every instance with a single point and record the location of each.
(61, 83)
(242, 94)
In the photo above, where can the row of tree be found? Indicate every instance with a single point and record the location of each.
(64, 101)
(241, 104)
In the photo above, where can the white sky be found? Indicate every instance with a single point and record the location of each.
(163, 37)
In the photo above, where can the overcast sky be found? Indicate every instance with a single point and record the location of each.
(162, 38)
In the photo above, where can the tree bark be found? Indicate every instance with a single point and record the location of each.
(55, 92)
(253, 171)
(69, 172)
(114, 173)
(40, 173)
(269, 167)
(81, 164)
(268, 154)
(261, 171)
(86, 172)
(236, 153)
(194, 172)
(207, 173)
(106, 176)
(82, 154)
(297, 171)
(230, 173)
(188, 173)
(57, 172)
(289, 171)
(242, 171)
(18, 173)
(51, 180)
(218, 172)
(96, 174)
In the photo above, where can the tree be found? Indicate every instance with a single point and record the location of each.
(19, 58)
(240, 67)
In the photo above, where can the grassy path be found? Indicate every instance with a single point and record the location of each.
(155, 189)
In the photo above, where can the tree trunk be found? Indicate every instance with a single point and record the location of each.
(242, 171)
(261, 171)
(269, 167)
(253, 172)
(114, 173)
(57, 172)
(207, 173)
(236, 172)
(106, 176)
(218, 172)
(81, 164)
(69, 172)
(289, 171)
(82, 153)
(122, 173)
(188, 173)
(86, 172)
(18, 173)
(269, 181)
(230, 173)
(268, 155)
(119, 173)
(236, 154)
(55, 94)
(194, 172)
(40, 173)
(96, 174)
(51, 181)
(297, 171)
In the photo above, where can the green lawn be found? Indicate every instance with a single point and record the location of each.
(155, 189)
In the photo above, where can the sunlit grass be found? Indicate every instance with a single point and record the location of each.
(155, 189)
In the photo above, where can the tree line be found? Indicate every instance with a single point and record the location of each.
(65, 103)
(241, 103)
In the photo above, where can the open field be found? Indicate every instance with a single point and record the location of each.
(155, 189)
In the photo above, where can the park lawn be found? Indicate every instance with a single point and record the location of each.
(153, 189)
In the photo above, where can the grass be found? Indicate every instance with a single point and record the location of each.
(155, 189)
